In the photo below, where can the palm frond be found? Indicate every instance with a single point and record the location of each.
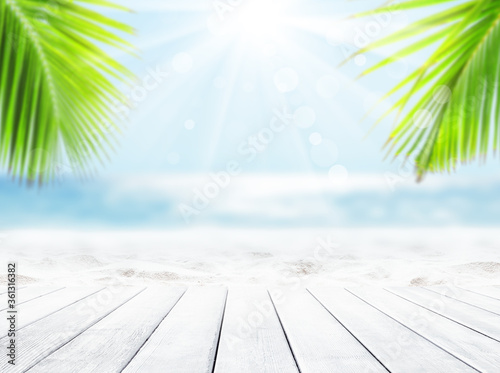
(456, 116)
(56, 93)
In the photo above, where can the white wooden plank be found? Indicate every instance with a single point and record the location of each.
(475, 349)
(124, 331)
(488, 291)
(475, 318)
(38, 340)
(474, 299)
(186, 340)
(41, 307)
(17, 289)
(395, 346)
(252, 340)
(318, 341)
(32, 292)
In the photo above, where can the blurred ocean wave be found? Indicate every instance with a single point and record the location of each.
(262, 201)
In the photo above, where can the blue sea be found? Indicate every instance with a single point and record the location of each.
(259, 201)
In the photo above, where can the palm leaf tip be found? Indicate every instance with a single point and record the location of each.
(458, 85)
(55, 84)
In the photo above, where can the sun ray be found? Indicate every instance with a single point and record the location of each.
(227, 96)
(168, 5)
(250, 46)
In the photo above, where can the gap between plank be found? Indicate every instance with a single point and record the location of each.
(84, 330)
(475, 292)
(51, 313)
(356, 338)
(220, 331)
(407, 327)
(18, 288)
(154, 330)
(284, 332)
(461, 301)
(437, 313)
(29, 300)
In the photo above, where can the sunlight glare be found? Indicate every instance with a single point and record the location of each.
(260, 21)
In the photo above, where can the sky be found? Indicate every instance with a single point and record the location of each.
(226, 85)
(253, 92)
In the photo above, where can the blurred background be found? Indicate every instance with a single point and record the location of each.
(241, 117)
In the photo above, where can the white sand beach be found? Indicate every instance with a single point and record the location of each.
(295, 257)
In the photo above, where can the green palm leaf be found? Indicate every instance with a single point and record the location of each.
(56, 94)
(457, 111)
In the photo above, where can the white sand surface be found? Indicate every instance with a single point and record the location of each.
(461, 256)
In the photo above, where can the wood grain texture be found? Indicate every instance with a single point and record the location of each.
(474, 349)
(251, 330)
(252, 340)
(395, 346)
(470, 297)
(186, 340)
(475, 318)
(128, 327)
(318, 341)
(32, 292)
(41, 307)
(38, 340)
